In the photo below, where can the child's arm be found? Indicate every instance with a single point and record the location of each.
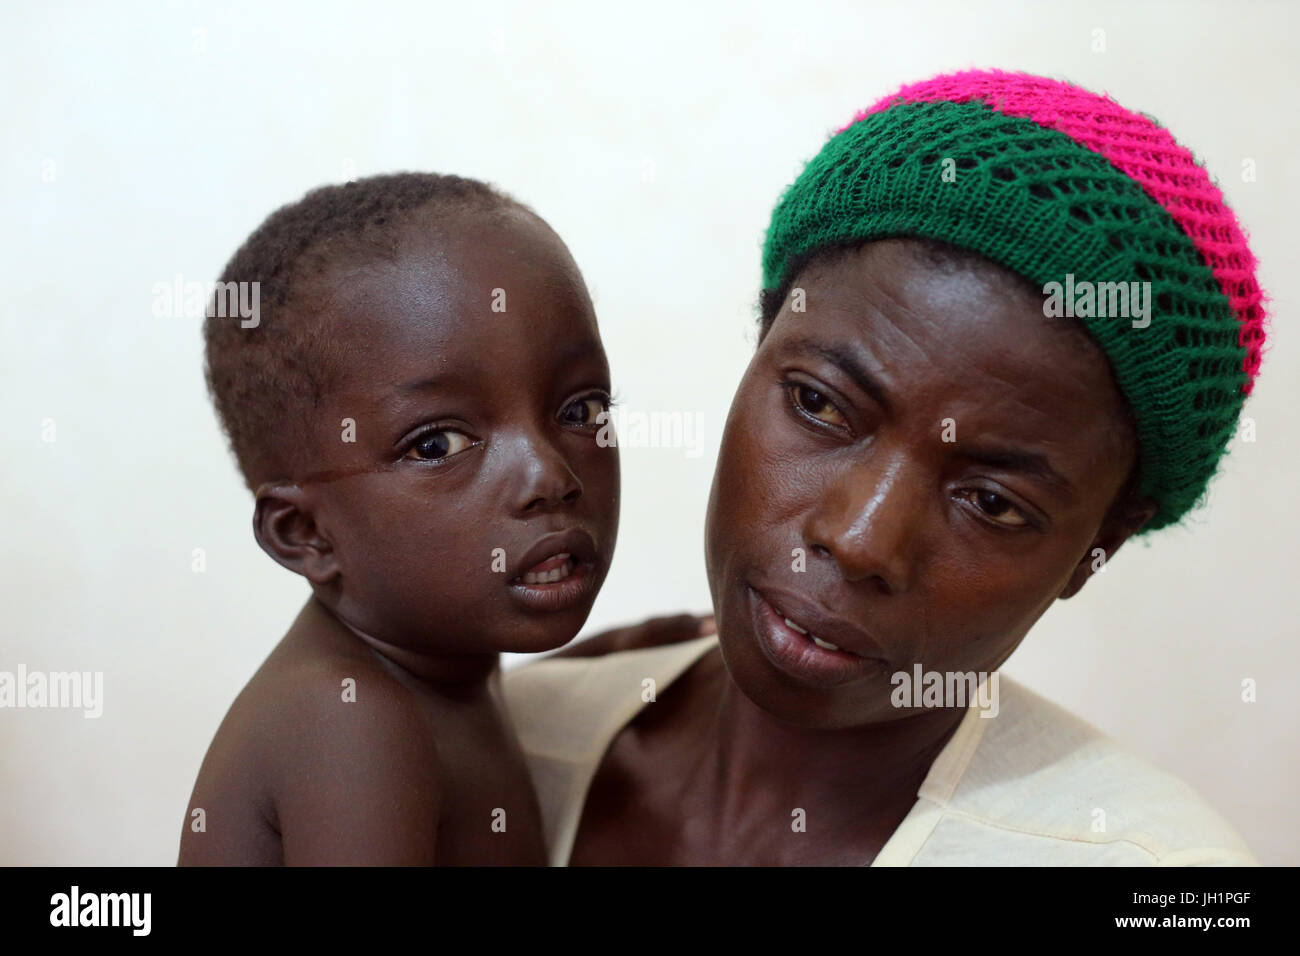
(356, 782)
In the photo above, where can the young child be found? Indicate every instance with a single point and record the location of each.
(416, 409)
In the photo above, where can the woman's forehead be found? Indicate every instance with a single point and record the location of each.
(886, 296)
(930, 337)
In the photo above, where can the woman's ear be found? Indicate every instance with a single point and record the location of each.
(1122, 523)
(284, 524)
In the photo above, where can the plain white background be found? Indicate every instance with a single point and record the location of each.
(145, 141)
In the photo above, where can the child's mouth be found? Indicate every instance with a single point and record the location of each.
(559, 583)
(559, 572)
(555, 568)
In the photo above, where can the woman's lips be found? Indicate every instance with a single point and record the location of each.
(790, 648)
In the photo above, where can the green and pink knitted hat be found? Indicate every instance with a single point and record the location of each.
(1049, 180)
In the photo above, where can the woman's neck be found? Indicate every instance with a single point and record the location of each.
(747, 753)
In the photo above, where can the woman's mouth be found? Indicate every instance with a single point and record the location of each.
(812, 637)
(794, 650)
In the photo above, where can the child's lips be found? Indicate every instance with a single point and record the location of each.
(570, 585)
(558, 572)
(551, 552)
(555, 568)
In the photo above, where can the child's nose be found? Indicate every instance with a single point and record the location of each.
(867, 522)
(545, 479)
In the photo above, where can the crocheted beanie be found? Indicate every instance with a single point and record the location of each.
(1060, 185)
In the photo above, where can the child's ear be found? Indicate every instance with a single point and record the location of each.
(1124, 522)
(284, 524)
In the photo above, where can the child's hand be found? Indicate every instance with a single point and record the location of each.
(656, 631)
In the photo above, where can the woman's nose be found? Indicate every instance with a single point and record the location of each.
(868, 522)
(544, 478)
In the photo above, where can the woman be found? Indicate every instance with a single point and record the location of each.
(951, 421)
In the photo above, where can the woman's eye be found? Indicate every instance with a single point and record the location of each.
(813, 403)
(442, 443)
(998, 508)
(584, 411)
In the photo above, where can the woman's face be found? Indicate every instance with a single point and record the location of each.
(913, 469)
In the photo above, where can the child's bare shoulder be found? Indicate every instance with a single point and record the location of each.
(333, 751)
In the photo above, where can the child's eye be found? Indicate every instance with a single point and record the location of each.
(815, 405)
(584, 411)
(438, 444)
(995, 507)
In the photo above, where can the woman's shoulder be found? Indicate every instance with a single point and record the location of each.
(565, 706)
(567, 710)
(1058, 788)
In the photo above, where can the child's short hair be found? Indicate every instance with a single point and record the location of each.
(264, 379)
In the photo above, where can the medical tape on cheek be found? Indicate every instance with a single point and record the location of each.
(336, 474)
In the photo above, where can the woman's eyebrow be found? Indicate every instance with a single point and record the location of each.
(1027, 462)
(1012, 459)
(848, 363)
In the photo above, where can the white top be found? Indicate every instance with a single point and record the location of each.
(1022, 788)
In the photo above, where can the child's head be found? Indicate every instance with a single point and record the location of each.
(416, 413)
